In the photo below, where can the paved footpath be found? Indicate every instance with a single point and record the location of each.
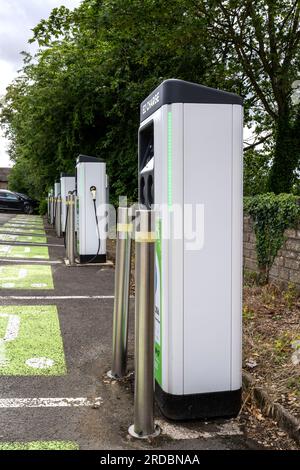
(55, 350)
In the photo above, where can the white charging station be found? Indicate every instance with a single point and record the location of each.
(57, 189)
(56, 195)
(190, 156)
(67, 185)
(91, 187)
(50, 206)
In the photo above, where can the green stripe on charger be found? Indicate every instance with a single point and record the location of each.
(39, 445)
(30, 341)
(26, 276)
(17, 251)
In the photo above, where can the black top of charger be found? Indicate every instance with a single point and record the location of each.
(179, 91)
(88, 159)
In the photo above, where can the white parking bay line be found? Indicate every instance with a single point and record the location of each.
(55, 297)
(50, 402)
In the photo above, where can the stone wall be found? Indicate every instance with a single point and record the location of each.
(286, 266)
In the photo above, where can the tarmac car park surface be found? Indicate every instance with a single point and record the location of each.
(55, 350)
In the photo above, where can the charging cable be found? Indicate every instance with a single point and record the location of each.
(93, 190)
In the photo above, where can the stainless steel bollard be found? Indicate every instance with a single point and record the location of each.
(144, 426)
(55, 199)
(71, 230)
(54, 211)
(58, 216)
(121, 302)
(51, 210)
(67, 228)
(48, 209)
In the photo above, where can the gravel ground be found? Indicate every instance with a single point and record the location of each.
(263, 312)
(272, 341)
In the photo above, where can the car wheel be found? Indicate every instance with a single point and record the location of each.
(28, 209)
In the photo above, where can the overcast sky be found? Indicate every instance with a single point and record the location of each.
(17, 18)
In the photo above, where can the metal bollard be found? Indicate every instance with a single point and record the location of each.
(121, 302)
(51, 210)
(48, 209)
(54, 211)
(58, 216)
(71, 230)
(144, 426)
(67, 229)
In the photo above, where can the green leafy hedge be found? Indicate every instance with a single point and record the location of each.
(271, 214)
(43, 207)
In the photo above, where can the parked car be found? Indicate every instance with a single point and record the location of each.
(12, 201)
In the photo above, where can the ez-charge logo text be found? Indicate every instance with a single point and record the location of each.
(151, 102)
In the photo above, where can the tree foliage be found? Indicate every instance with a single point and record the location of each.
(81, 93)
(256, 172)
(260, 40)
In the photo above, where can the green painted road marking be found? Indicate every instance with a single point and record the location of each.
(27, 217)
(39, 445)
(30, 341)
(24, 225)
(35, 223)
(35, 252)
(26, 277)
(25, 221)
(22, 238)
(3, 228)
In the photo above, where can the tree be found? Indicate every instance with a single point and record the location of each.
(82, 92)
(259, 41)
(256, 172)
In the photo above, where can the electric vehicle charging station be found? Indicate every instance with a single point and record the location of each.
(67, 184)
(50, 207)
(190, 153)
(57, 189)
(56, 195)
(91, 187)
